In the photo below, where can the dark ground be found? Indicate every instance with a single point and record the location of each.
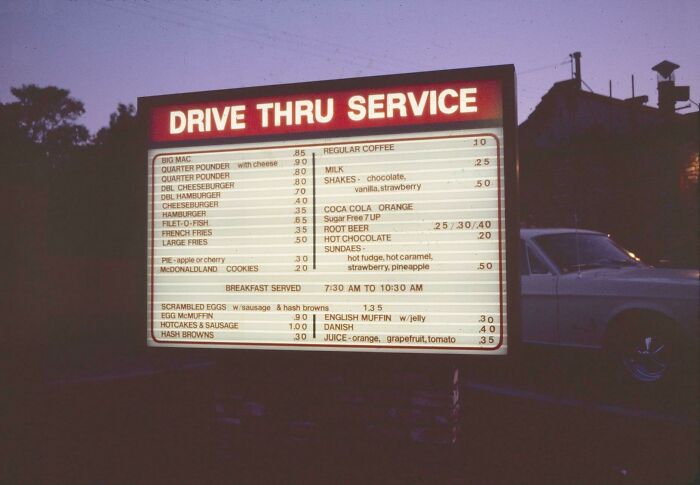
(551, 417)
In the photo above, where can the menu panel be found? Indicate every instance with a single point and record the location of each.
(366, 243)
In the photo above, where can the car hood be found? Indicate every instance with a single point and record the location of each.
(647, 274)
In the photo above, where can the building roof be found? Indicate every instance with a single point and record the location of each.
(570, 87)
(566, 108)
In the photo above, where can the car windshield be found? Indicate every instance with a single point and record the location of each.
(577, 252)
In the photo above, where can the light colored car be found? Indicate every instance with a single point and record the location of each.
(581, 289)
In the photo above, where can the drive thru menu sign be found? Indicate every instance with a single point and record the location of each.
(366, 215)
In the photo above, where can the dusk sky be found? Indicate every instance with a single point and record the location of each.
(106, 52)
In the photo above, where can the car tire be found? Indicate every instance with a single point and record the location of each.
(644, 349)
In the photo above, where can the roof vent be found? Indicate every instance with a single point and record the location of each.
(669, 93)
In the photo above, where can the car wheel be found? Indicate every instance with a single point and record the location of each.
(645, 351)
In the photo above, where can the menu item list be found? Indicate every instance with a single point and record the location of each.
(377, 243)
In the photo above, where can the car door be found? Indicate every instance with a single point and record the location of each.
(583, 306)
(539, 298)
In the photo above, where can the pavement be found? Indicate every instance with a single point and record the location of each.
(553, 418)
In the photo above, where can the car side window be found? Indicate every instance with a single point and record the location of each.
(524, 267)
(537, 266)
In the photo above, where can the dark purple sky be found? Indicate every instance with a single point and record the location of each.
(107, 52)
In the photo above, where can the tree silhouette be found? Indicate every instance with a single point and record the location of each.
(41, 124)
(15, 146)
(121, 132)
(49, 113)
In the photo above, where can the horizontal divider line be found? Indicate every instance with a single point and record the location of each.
(265, 273)
(344, 263)
(391, 233)
(405, 347)
(322, 156)
(297, 254)
(270, 216)
(248, 226)
(410, 326)
(364, 243)
(340, 201)
(249, 255)
(320, 312)
(494, 162)
(306, 294)
(306, 283)
(349, 140)
(339, 302)
(349, 333)
(354, 193)
(370, 282)
(492, 217)
(485, 272)
(490, 168)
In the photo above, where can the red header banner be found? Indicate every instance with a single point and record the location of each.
(450, 102)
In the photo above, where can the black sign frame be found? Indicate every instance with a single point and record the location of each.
(362, 360)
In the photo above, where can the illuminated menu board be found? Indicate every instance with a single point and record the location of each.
(388, 240)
